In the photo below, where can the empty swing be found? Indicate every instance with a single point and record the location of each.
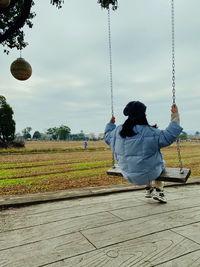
(179, 175)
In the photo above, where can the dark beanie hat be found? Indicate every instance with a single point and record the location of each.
(134, 109)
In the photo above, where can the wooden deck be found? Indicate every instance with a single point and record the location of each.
(122, 229)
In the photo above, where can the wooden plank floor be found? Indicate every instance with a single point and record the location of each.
(122, 229)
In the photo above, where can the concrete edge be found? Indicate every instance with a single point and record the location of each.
(32, 199)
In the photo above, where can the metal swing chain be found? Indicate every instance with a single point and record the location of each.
(173, 79)
(173, 54)
(110, 63)
(111, 74)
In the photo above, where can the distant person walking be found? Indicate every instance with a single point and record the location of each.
(85, 144)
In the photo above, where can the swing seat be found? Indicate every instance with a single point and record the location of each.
(168, 174)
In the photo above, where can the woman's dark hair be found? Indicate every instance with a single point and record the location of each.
(127, 127)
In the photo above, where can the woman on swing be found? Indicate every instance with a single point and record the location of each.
(136, 146)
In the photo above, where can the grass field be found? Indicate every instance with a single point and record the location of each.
(50, 166)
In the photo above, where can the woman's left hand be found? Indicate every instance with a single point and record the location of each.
(112, 120)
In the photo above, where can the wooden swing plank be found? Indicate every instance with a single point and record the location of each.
(168, 174)
(174, 175)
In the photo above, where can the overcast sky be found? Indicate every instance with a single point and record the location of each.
(68, 52)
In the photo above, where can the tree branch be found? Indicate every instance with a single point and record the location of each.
(19, 23)
(107, 3)
(12, 3)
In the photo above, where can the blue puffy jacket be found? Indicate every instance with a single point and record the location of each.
(139, 157)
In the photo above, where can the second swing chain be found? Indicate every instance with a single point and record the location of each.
(173, 79)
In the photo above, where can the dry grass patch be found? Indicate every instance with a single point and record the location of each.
(44, 172)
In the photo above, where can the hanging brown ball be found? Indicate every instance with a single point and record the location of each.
(21, 69)
(4, 3)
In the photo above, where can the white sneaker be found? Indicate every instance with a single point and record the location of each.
(149, 192)
(160, 196)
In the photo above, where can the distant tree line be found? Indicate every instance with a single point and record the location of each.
(55, 133)
(61, 133)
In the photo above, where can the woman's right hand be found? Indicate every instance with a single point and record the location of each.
(175, 115)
